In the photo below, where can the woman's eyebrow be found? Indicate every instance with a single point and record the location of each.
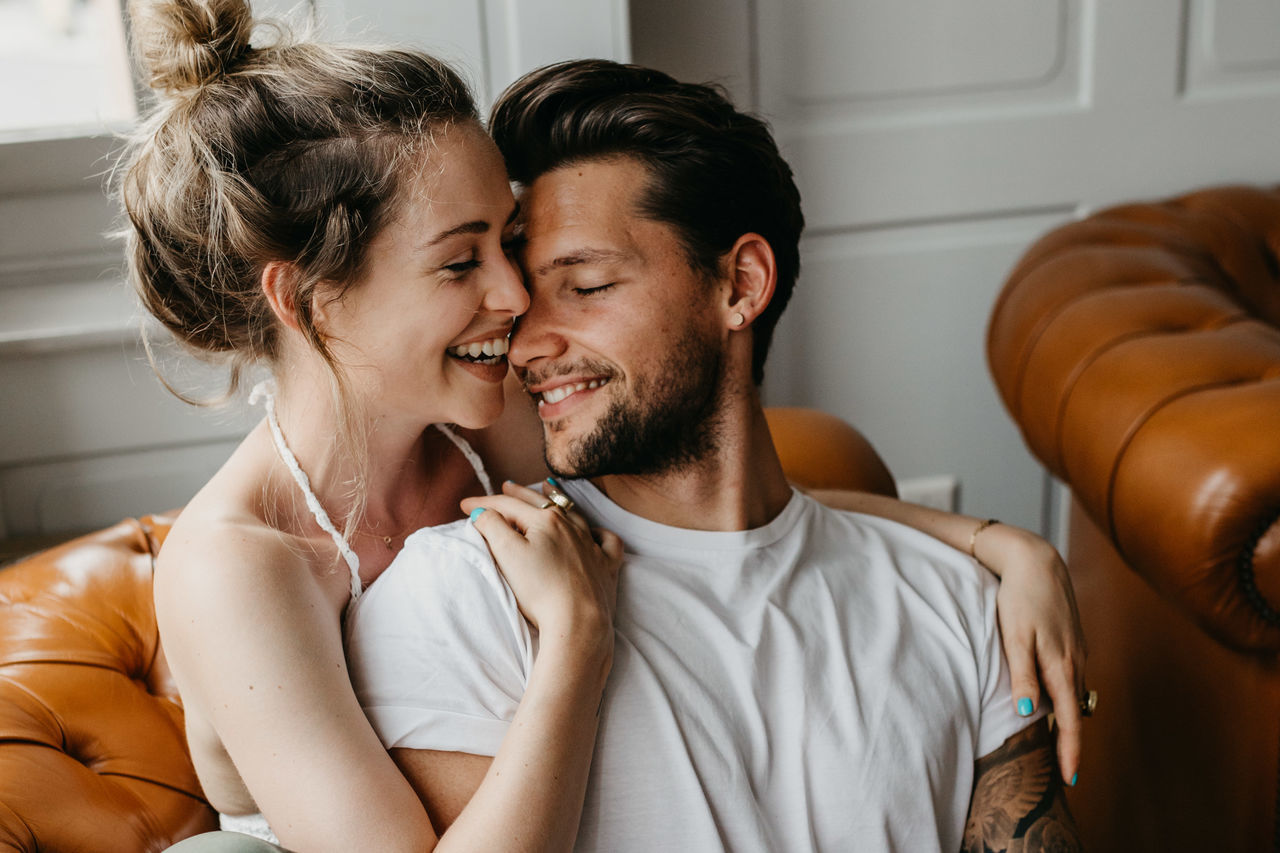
(475, 226)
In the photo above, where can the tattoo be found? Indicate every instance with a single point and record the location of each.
(1018, 803)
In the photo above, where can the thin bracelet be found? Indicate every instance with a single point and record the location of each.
(973, 537)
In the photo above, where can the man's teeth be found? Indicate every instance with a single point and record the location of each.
(481, 349)
(555, 395)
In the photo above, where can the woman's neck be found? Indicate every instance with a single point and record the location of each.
(386, 462)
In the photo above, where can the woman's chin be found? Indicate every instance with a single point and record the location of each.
(479, 414)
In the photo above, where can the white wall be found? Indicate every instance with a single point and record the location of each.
(932, 141)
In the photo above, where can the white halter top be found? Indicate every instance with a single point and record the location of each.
(264, 392)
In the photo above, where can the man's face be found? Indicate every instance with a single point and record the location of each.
(621, 348)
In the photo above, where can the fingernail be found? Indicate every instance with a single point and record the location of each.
(1075, 777)
(1024, 705)
(475, 513)
(552, 481)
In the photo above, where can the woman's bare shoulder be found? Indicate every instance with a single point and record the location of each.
(236, 594)
(233, 546)
(228, 564)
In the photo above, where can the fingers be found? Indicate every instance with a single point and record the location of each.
(535, 499)
(526, 509)
(561, 572)
(609, 542)
(551, 491)
(495, 529)
(1060, 684)
(526, 494)
(1025, 680)
(518, 511)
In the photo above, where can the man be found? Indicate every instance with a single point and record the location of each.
(786, 676)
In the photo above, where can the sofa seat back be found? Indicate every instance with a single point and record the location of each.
(93, 756)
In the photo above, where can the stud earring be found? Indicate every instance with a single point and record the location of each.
(737, 319)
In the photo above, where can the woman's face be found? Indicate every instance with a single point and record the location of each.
(423, 334)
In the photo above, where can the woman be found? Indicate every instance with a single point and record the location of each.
(337, 216)
(294, 212)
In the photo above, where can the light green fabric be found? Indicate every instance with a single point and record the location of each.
(225, 842)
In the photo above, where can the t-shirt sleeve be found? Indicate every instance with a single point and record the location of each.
(438, 652)
(998, 719)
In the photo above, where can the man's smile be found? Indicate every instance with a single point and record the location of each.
(556, 395)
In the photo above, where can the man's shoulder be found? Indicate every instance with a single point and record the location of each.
(449, 562)
(880, 545)
(459, 538)
(439, 550)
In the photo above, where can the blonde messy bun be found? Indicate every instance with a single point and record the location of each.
(293, 151)
(182, 44)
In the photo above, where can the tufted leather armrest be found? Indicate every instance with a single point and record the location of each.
(1139, 353)
(92, 751)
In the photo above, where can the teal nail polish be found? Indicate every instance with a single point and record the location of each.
(1025, 707)
(1075, 777)
(552, 481)
(475, 513)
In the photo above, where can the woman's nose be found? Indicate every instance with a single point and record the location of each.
(536, 335)
(506, 291)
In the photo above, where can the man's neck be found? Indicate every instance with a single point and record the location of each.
(739, 486)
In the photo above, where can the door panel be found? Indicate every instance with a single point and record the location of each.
(932, 141)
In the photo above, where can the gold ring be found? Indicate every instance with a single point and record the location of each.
(546, 505)
(560, 499)
(1089, 703)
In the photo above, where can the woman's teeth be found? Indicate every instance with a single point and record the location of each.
(481, 350)
(555, 395)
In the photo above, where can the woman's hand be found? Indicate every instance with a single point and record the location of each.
(564, 573)
(1040, 625)
(1036, 606)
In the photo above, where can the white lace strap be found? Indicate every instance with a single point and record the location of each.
(469, 452)
(264, 392)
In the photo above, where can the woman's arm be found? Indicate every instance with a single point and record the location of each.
(255, 646)
(1039, 621)
(257, 650)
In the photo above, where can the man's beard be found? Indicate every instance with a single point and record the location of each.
(668, 423)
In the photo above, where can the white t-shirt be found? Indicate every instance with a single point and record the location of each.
(824, 682)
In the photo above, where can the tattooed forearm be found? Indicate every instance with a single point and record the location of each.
(1018, 803)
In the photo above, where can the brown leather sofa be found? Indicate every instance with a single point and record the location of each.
(1139, 352)
(92, 753)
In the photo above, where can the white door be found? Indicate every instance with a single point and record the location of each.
(933, 141)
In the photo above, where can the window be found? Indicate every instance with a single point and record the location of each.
(64, 67)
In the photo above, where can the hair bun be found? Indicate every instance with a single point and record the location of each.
(182, 44)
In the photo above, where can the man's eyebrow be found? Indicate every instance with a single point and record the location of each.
(582, 256)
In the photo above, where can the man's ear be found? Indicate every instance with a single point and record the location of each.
(279, 285)
(753, 276)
